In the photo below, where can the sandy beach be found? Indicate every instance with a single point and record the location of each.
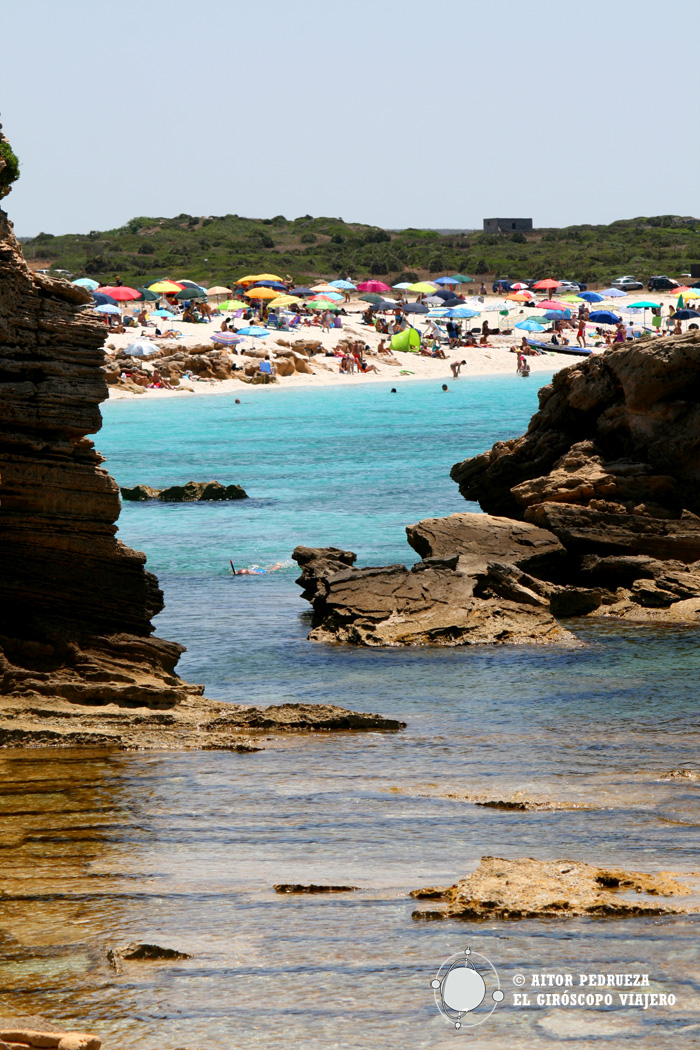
(495, 359)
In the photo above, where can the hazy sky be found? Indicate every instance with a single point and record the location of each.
(394, 112)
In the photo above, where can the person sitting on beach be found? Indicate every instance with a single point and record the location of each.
(364, 366)
(456, 367)
(383, 348)
(367, 316)
(188, 316)
(159, 381)
(224, 325)
(266, 367)
(677, 329)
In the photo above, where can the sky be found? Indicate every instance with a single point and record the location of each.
(390, 112)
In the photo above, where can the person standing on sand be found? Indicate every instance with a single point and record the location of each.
(456, 367)
(581, 334)
(482, 289)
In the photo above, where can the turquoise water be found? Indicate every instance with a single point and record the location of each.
(189, 846)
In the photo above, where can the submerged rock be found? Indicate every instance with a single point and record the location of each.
(289, 718)
(136, 952)
(297, 887)
(528, 888)
(193, 491)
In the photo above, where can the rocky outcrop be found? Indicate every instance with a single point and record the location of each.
(75, 603)
(447, 601)
(17, 1038)
(137, 952)
(193, 491)
(526, 888)
(296, 887)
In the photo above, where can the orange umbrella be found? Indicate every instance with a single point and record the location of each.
(521, 297)
(262, 293)
(546, 285)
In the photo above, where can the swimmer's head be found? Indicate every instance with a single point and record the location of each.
(445, 386)
(238, 400)
(393, 390)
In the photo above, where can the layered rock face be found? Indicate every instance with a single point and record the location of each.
(75, 603)
(594, 511)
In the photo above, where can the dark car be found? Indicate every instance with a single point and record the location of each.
(661, 284)
(502, 284)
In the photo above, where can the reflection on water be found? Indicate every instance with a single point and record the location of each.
(99, 849)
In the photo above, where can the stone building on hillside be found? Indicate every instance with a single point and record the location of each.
(507, 225)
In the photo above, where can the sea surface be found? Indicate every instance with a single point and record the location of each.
(183, 850)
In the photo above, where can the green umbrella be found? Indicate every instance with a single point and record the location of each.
(147, 296)
(373, 298)
(318, 305)
(191, 293)
(233, 304)
(461, 278)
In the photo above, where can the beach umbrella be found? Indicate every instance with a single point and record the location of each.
(284, 300)
(254, 331)
(325, 304)
(462, 278)
(685, 315)
(437, 312)
(253, 277)
(163, 313)
(191, 293)
(333, 296)
(322, 287)
(414, 308)
(141, 348)
(189, 284)
(107, 308)
(226, 338)
(373, 286)
(147, 296)
(343, 286)
(234, 304)
(558, 315)
(423, 287)
(519, 287)
(371, 297)
(613, 293)
(165, 287)
(277, 285)
(644, 304)
(403, 286)
(447, 280)
(461, 312)
(604, 317)
(301, 290)
(262, 293)
(120, 292)
(87, 282)
(551, 304)
(444, 293)
(101, 299)
(521, 297)
(434, 300)
(219, 290)
(385, 304)
(591, 297)
(530, 325)
(691, 293)
(547, 285)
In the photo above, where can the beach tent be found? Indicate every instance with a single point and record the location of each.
(408, 341)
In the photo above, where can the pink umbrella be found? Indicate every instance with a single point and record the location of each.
(373, 286)
(553, 304)
(121, 292)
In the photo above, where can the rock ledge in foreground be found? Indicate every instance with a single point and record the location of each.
(527, 888)
(289, 718)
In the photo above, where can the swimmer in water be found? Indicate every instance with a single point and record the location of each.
(254, 572)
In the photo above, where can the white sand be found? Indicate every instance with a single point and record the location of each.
(495, 359)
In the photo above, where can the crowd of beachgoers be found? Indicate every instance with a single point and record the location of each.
(421, 330)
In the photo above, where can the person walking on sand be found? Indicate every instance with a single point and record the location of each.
(456, 367)
(581, 334)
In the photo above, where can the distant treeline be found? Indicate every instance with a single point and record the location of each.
(216, 249)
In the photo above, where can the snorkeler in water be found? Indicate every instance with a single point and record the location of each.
(254, 572)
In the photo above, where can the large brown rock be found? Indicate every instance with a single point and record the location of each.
(434, 603)
(192, 492)
(527, 888)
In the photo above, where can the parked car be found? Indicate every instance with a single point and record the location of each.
(662, 283)
(568, 288)
(502, 284)
(627, 284)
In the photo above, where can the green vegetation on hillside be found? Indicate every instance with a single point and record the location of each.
(218, 249)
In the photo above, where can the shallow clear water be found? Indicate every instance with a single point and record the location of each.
(184, 850)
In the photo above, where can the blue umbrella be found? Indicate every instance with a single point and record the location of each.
(530, 326)
(558, 315)
(463, 312)
(87, 282)
(685, 315)
(612, 293)
(254, 330)
(302, 290)
(276, 285)
(591, 297)
(103, 300)
(444, 293)
(107, 308)
(162, 313)
(345, 286)
(604, 317)
(446, 280)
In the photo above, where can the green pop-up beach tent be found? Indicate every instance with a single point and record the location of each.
(408, 341)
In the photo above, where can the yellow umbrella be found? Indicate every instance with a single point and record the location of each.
(284, 300)
(253, 277)
(691, 294)
(233, 304)
(262, 293)
(423, 287)
(165, 286)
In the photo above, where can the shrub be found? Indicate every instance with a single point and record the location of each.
(146, 249)
(98, 264)
(308, 238)
(9, 173)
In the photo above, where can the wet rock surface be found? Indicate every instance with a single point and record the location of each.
(527, 888)
(193, 491)
(295, 887)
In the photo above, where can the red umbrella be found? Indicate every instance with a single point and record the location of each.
(120, 292)
(373, 286)
(552, 304)
(546, 285)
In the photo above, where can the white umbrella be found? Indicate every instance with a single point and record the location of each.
(141, 348)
